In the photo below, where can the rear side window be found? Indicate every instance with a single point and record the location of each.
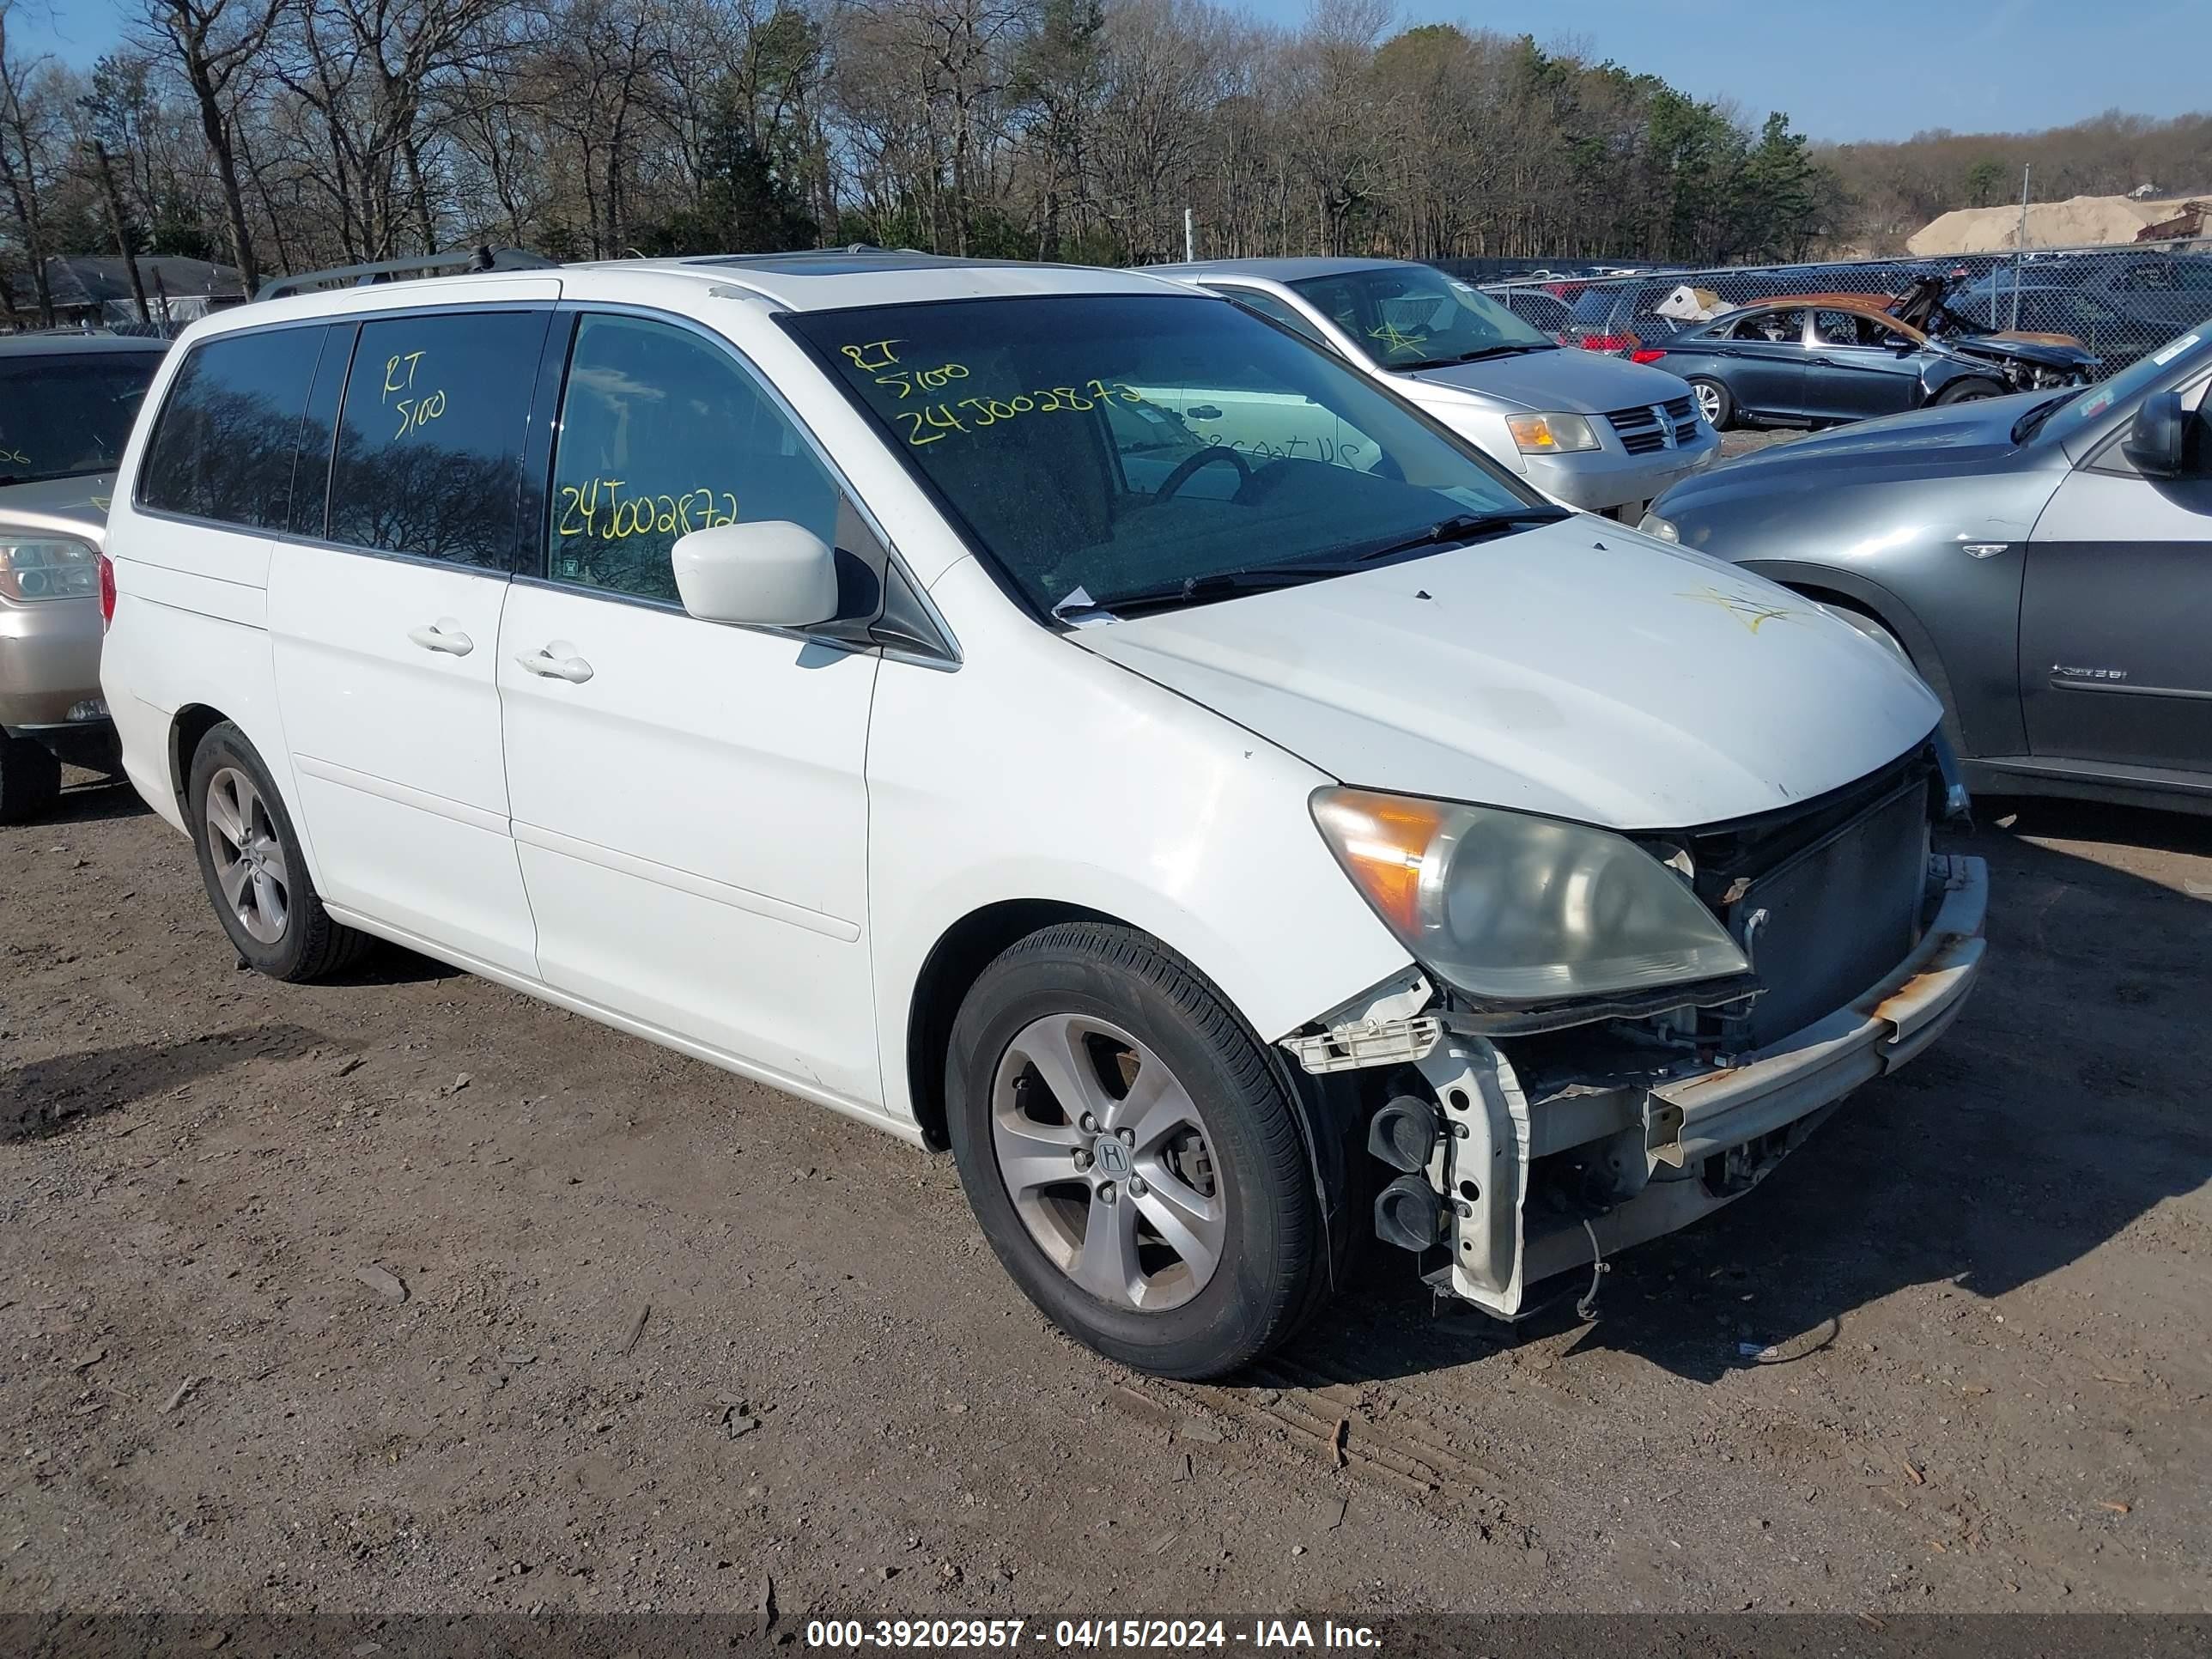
(430, 434)
(224, 443)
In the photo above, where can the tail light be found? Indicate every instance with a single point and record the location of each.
(1617, 345)
(107, 592)
(1646, 355)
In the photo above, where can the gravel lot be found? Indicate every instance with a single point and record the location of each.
(410, 1294)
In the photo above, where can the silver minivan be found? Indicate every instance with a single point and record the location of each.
(1592, 431)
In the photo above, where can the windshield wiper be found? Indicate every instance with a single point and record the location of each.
(1474, 357)
(1460, 527)
(1511, 348)
(2032, 422)
(1079, 608)
(1195, 590)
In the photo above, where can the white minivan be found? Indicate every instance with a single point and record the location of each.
(840, 667)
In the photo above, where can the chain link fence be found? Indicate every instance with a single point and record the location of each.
(2119, 303)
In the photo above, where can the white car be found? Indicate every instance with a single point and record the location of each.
(836, 667)
(1593, 431)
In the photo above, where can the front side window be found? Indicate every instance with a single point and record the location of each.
(429, 446)
(663, 433)
(223, 446)
(1409, 317)
(1854, 328)
(1069, 435)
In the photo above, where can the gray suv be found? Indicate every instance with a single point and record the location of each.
(67, 402)
(2045, 560)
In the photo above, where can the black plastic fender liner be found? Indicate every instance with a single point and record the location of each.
(1332, 1115)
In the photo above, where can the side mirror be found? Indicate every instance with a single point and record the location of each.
(773, 574)
(2158, 439)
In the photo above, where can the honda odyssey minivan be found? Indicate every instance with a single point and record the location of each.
(846, 669)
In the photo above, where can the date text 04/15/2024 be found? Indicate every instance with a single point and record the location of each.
(1261, 1635)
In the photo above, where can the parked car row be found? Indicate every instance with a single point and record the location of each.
(2116, 304)
(1157, 736)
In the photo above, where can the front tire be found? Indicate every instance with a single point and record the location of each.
(255, 873)
(1715, 402)
(1132, 1153)
(30, 780)
(1968, 392)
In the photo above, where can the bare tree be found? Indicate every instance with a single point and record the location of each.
(214, 40)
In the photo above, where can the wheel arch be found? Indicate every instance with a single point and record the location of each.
(187, 727)
(948, 972)
(1330, 1111)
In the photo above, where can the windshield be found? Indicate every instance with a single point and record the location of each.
(1099, 446)
(1414, 317)
(64, 413)
(2174, 359)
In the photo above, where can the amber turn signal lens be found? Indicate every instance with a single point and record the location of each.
(1381, 840)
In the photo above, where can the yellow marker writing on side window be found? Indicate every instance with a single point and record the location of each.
(598, 509)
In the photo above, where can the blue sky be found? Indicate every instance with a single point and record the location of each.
(1844, 69)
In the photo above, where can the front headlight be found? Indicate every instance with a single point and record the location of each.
(1652, 524)
(1519, 909)
(47, 569)
(1550, 435)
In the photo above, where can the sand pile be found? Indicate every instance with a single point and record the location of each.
(2084, 222)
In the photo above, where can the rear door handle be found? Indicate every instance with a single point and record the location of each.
(443, 635)
(544, 663)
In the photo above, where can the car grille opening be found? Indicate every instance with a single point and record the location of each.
(1650, 427)
(1826, 900)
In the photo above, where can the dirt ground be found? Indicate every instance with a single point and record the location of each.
(410, 1294)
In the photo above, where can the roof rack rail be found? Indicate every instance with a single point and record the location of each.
(393, 270)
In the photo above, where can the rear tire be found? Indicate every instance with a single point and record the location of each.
(1968, 392)
(1715, 402)
(1214, 1247)
(30, 780)
(255, 873)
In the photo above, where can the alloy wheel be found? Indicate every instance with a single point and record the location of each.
(248, 856)
(1709, 403)
(1108, 1163)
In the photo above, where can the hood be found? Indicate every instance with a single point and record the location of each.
(1971, 437)
(74, 506)
(2052, 351)
(1564, 380)
(1590, 674)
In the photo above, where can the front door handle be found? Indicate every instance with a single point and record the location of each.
(443, 635)
(566, 666)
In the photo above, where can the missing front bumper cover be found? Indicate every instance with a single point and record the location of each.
(1728, 1121)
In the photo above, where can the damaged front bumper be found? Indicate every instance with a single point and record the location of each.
(1536, 1170)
